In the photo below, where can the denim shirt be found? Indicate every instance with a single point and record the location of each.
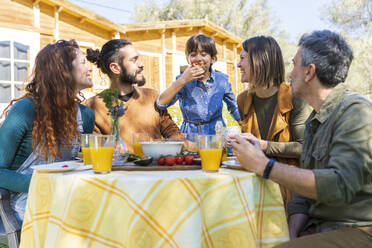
(337, 149)
(202, 102)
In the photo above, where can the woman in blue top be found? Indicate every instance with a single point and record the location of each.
(44, 124)
(200, 90)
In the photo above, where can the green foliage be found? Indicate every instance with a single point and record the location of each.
(113, 103)
(110, 98)
(359, 77)
(354, 19)
(351, 16)
(242, 17)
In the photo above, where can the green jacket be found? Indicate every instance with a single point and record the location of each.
(338, 147)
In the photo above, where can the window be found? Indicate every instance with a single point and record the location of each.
(18, 50)
(14, 68)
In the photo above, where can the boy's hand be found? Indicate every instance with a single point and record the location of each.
(195, 71)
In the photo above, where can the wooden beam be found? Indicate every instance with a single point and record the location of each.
(224, 48)
(57, 9)
(34, 2)
(174, 40)
(235, 51)
(82, 19)
(115, 34)
(36, 10)
(162, 33)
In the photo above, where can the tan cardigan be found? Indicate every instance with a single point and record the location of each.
(279, 128)
(140, 117)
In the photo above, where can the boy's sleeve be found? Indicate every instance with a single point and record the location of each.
(174, 100)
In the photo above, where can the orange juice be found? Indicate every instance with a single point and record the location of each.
(86, 155)
(210, 159)
(137, 148)
(224, 154)
(102, 158)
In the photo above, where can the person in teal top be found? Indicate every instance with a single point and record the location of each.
(16, 137)
(44, 125)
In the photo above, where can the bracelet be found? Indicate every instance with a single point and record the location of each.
(268, 168)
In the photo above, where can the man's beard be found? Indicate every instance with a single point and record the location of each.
(125, 77)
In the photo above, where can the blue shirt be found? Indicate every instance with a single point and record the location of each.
(202, 102)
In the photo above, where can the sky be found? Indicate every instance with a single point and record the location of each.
(296, 16)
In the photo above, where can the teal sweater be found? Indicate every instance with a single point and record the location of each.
(15, 142)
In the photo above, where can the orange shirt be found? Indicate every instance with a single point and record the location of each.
(140, 117)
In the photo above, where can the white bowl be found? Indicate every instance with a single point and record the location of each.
(156, 149)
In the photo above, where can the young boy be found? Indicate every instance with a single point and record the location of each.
(200, 90)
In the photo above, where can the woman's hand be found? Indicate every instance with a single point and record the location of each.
(249, 153)
(249, 136)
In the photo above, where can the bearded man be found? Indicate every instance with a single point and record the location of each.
(120, 61)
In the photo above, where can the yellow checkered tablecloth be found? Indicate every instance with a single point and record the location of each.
(230, 208)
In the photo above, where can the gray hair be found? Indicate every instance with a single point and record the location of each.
(330, 54)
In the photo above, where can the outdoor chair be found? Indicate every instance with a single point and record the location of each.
(10, 230)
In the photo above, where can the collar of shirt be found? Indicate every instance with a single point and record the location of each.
(332, 101)
(209, 82)
(126, 97)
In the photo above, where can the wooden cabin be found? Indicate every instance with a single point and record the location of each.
(26, 26)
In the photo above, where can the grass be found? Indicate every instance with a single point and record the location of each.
(3, 246)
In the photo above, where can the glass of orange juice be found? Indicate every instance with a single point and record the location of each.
(210, 149)
(101, 151)
(136, 139)
(84, 142)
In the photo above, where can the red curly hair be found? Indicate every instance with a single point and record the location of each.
(53, 91)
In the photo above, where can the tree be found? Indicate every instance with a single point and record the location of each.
(354, 19)
(352, 16)
(240, 17)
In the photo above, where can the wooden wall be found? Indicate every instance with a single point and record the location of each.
(146, 41)
(168, 70)
(16, 14)
(151, 72)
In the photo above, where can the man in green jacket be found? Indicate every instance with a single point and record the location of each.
(333, 202)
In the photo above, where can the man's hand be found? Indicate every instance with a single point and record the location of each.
(252, 158)
(249, 153)
(295, 224)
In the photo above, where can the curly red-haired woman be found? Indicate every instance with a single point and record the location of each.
(44, 125)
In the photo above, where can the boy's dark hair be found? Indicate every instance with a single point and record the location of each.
(207, 44)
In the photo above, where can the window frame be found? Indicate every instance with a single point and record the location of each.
(27, 38)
